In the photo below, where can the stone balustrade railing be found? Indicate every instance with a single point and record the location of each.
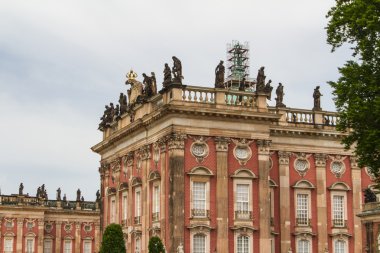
(24, 200)
(198, 94)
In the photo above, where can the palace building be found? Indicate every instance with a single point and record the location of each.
(218, 170)
(35, 224)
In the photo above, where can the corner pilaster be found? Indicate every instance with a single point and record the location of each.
(221, 145)
(176, 147)
(356, 202)
(283, 159)
(264, 205)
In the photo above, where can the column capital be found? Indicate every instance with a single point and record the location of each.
(176, 141)
(144, 152)
(221, 144)
(283, 157)
(320, 159)
(354, 163)
(264, 146)
(128, 159)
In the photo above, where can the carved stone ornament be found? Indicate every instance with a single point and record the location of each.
(263, 145)
(144, 152)
(199, 148)
(320, 160)
(87, 227)
(128, 159)
(176, 141)
(156, 153)
(337, 166)
(68, 227)
(242, 151)
(221, 144)
(270, 163)
(301, 165)
(9, 223)
(30, 223)
(283, 157)
(115, 165)
(354, 162)
(369, 173)
(48, 227)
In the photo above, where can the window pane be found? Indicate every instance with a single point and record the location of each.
(156, 199)
(340, 246)
(199, 244)
(242, 197)
(29, 245)
(87, 246)
(138, 204)
(47, 246)
(338, 210)
(125, 206)
(302, 209)
(67, 246)
(243, 244)
(303, 246)
(199, 195)
(8, 245)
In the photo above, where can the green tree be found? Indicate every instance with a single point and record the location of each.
(113, 240)
(357, 91)
(155, 245)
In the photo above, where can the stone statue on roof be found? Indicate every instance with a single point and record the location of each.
(177, 70)
(219, 75)
(280, 95)
(167, 75)
(317, 99)
(21, 189)
(136, 89)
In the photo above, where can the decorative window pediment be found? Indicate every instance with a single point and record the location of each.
(123, 186)
(154, 175)
(200, 171)
(111, 190)
(272, 183)
(303, 184)
(136, 181)
(339, 186)
(243, 173)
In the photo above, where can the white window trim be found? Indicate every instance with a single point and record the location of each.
(26, 243)
(113, 209)
(156, 200)
(306, 192)
(250, 241)
(344, 195)
(137, 204)
(84, 243)
(309, 239)
(248, 182)
(207, 240)
(124, 199)
(207, 187)
(51, 245)
(64, 245)
(341, 239)
(12, 244)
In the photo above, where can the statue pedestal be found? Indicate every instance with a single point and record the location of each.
(59, 204)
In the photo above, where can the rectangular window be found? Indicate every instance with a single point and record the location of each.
(338, 210)
(48, 246)
(113, 210)
(137, 206)
(67, 246)
(199, 199)
(302, 209)
(125, 207)
(156, 203)
(87, 246)
(243, 244)
(8, 245)
(29, 245)
(303, 246)
(242, 197)
(199, 243)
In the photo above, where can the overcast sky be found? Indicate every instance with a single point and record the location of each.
(62, 61)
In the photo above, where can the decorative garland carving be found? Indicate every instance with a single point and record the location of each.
(144, 152)
(199, 148)
(242, 152)
(337, 166)
(221, 144)
(128, 159)
(156, 153)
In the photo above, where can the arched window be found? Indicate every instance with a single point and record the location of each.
(303, 246)
(340, 246)
(199, 243)
(243, 244)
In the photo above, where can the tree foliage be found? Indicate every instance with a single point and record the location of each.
(113, 240)
(155, 245)
(357, 91)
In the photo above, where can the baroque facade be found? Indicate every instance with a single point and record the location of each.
(218, 170)
(38, 225)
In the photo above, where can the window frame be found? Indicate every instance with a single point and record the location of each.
(248, 213)
(342, 223)
(344, 240)
(205, 212)
(306, 239)
(10, 245)
(65, 241)
(51, 245)
(309, 213)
